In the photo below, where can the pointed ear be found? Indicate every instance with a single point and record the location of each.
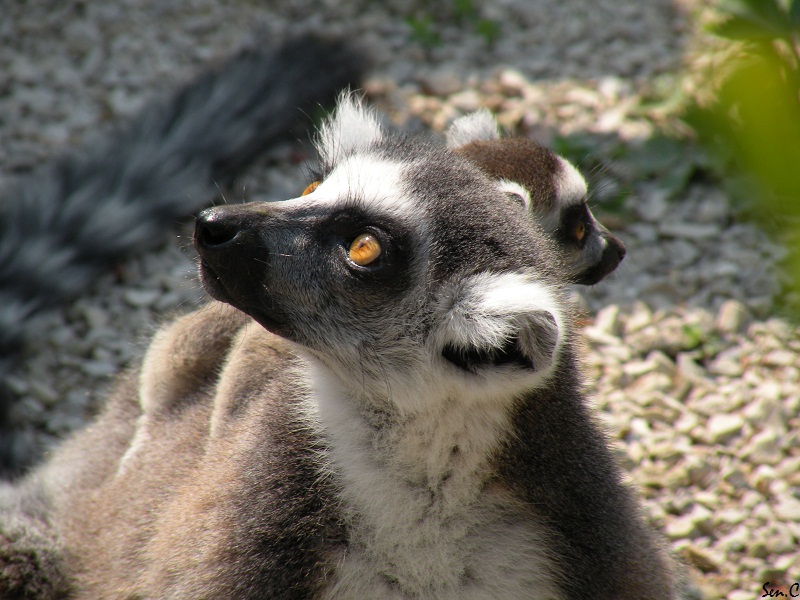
(351, 128)
(503, 321)
(479, 126)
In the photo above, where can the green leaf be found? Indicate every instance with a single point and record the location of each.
(423, 30)
(746, 29)
(794, 14)
(465, 9)
(488, 29)
(768, 10)
(764, 14)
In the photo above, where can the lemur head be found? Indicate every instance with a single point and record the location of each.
(403, 267)
(549, 186)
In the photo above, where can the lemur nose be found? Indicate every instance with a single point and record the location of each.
(619, 247)
(214, 229)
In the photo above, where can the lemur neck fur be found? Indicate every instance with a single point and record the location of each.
(444, 444)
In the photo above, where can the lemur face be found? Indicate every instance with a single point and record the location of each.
(404, 258)
(549, 186)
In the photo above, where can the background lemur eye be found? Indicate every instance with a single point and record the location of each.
(580, 230)
(310, 188)
(364, 250)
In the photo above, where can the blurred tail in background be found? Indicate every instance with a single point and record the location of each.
(69, 221)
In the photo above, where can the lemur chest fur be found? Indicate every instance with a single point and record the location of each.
(426, 512)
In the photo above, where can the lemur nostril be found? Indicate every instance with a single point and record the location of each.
(212, 229)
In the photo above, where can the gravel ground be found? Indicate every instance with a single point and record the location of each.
(697, 382)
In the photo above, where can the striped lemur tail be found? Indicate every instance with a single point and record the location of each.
(67, 222)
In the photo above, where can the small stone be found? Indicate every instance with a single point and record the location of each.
(736, 541)
(689, 370)
(727, 364)
(764, 405)
(763, 513)
(607, 320)
(731, 516)
(686, 422)
(663, 363)
(138, 298)
(787, 508)
(512, 82)
(601, 338)
(764, 448)
(639, 368)
(732, 317)
(44, 392)
(704, 559)
(757, 549)
(723, 427)
(95, 317)
(781, 541)
(701, 474)
(467, 101)
(689, 231)
(640, 318)
(99, 369)
(681, 528)
(440, 83)
(781, 358)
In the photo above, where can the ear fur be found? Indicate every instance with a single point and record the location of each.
(516, 192)
(479, 126)
(503, 319)
(352, 128)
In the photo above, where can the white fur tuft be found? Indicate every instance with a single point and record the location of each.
(352, 128)
(570, 184)
(480, 316)
(479, 126)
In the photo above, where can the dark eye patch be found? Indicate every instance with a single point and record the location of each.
(339, 231)
(575, 225)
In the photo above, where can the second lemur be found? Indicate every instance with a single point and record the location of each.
(549, 186)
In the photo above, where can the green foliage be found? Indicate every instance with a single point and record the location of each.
(758, 20)
(751, 128)
(423, 31)
(693, 336)
(426, 26)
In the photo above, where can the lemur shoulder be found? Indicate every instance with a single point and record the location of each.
(384, 402)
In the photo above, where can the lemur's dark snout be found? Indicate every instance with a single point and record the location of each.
(612, 255)
(233, 256)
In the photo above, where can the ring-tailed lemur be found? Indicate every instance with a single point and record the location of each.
(64, 224)
(390, 407)
(589, 250)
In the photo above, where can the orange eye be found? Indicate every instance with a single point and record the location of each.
(364, 250)
(580, 231)
(311, 187)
